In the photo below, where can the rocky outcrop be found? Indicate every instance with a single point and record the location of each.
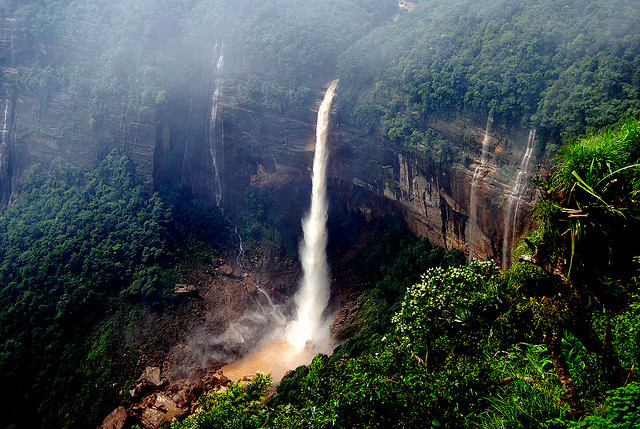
(274, 152)
(162, 410)
(434, 199)
(44, 124)
(116, 420)
(156, 401)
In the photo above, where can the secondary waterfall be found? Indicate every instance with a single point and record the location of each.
(5, 130)
(313, 296)
(216, 135)
(473, 196)
(511, 215)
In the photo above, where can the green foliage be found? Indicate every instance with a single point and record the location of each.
(626, 331)
(564, 67)
(385, 389)
(583, 365)
(529, 391)
(437, 309)
(291, 44)
(85, 257)
(239, 406)
(396, 260)
(262, 224)
(587, 268)
(622, 410)
(142, 54)
(590, 205)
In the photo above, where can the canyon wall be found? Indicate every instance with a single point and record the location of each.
(435, 200)
(271, 150)
(372, 178)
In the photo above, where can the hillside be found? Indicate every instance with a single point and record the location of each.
(155, 162)
(537, 346)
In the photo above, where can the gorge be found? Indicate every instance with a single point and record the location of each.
(309, 332)
(217, 108)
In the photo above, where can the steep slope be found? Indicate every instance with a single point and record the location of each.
(435, 113)
(413, 110)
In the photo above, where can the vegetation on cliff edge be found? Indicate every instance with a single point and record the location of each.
(88, 260)
(543, 345)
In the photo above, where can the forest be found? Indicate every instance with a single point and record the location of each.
(86, 259)
(563, 69)
(90, 256)
(550, 343)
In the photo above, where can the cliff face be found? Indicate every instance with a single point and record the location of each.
(436, 200)
(40, 123)
(274, 152)
(463, 205)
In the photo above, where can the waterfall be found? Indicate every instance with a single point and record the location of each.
(216, 146)
(185, 153)
(5, 130)
(511, 215)
(216, 137)
(275, 354)
(313, 296)
(473, 228)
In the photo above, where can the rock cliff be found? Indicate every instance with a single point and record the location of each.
(272, 150)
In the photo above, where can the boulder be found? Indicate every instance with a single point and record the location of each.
(195, 388)
(137, 391)
(249, 284)
(152, 418)
(181, 288)
(151, 375)
(115, 420)
(163, 410)
(226, 270)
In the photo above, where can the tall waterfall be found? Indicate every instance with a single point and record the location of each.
(216, 134)
(313, 296)
(473, 228)
(511, 215)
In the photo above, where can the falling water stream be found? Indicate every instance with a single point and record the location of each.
(216, 139)
(5, 130)
(308, 334)
(473, 228)
(511, 215)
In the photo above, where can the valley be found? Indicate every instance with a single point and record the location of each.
(157, 167)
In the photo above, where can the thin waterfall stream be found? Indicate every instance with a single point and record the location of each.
(474, 228)
(5, 130)
(511, 216)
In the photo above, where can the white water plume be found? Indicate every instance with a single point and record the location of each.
(309, 333)
(313, 297)
(473, 228)
(511, 216)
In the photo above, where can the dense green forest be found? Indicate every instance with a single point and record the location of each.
(144, 53)
(545, 344)
(86, 259)
(89, 259)
(565, 68)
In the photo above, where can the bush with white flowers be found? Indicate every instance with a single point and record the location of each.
(445, 300)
